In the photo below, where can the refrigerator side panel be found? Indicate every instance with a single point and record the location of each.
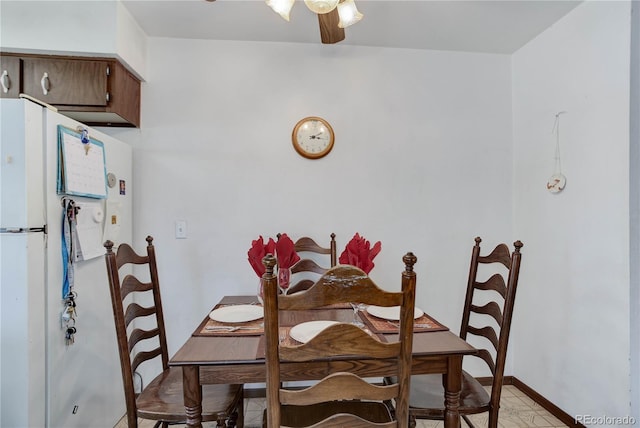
(12, 174)
(22, 175)
(85, 382)
(22, 267)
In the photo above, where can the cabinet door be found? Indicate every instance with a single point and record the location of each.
(66, 82)
(9, 76)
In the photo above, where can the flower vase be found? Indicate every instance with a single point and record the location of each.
(260, 291)
(284, 279)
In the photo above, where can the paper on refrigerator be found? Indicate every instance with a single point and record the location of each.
(90, 228)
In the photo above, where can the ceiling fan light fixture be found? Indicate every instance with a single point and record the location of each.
(348, 13)
(281, 7)
(321, 6)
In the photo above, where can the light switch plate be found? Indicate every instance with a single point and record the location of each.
(181, 229)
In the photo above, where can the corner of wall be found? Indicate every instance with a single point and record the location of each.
(131, 42)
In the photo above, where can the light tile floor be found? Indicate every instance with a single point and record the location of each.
(516, 411)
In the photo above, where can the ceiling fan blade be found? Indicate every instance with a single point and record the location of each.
(329, 31)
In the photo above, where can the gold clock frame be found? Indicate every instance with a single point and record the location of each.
(304, 153)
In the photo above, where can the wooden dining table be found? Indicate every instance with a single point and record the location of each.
(219, 358)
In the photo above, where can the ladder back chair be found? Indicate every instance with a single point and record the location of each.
(307, 264)
(139, 328)
(339, 398)
(486, 303)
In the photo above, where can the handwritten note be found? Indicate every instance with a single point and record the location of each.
(81, 167)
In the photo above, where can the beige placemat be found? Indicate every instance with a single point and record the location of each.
(209, 327)
(378, 325)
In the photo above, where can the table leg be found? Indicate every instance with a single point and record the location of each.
(192, 395)
(452, 382)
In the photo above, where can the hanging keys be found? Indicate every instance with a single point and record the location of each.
(68, 318)
(71, 301)
(69, 336)
(69, 313)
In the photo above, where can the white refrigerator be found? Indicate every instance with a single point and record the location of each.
(46, 381)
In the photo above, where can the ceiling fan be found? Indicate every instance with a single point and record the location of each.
(329, 30)
(333, 15)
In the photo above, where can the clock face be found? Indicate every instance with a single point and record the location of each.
(313, 137)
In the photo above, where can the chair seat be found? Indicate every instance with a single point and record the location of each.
(163, 399)
(303, 416)
(427, 396)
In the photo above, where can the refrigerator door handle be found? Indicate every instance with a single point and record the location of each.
(23, 229)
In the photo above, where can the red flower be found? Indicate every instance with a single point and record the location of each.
(358, 253)
(286, 252)
(257, 252)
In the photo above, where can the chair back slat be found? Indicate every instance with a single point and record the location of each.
(487, 332)
(134, 311)
(500, 254)
(138, 335)
(492, 309)
(126, 254)
(303, 284)
(307, 244)
(333, 288)
(340, 284)
(143, 356)
(488, 358)
(339, 386)
(496, 283)
(307, 265)
(340, 339)
(131, 284)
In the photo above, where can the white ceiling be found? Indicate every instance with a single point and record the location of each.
(471, 25)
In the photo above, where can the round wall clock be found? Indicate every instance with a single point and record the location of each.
(313, 137)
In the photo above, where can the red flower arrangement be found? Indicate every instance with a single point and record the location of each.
(358, 253)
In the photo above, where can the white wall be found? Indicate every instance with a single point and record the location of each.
(422, 162)
(571, 334)
(89, 28)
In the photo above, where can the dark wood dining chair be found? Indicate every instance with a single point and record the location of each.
(162, 399)
(340, 398)
(307, 269)
(487, 303)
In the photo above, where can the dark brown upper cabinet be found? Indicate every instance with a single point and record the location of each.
(9, 77)
(96, 91)
(66, 82)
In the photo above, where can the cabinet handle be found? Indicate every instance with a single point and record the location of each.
(44, 82)
(5, 82)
